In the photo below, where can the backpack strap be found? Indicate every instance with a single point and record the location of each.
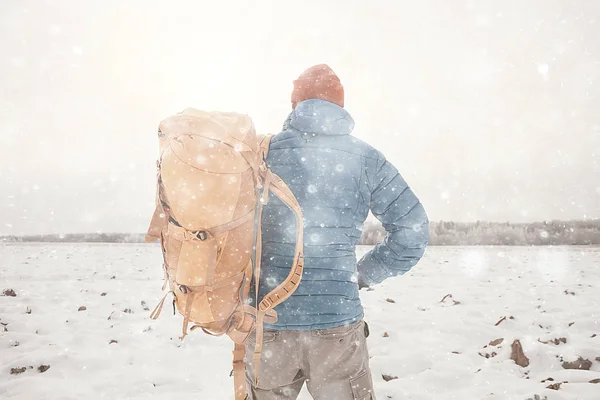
(290, 284)
(239, 371)
(264, 312)
(264, 144)
(257, 254)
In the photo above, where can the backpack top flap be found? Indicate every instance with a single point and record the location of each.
(209, 140)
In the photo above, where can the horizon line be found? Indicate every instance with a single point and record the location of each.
(595, 219)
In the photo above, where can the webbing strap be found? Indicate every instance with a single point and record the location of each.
(259, 343)
(239, 371)
(270, 315)
(216, 334)
(240, 333)
(267, 185)
(264, 146)
(257, 253)
(231, 225)
(181, 233)
(188, 310)
(239, 336)
(159, 307)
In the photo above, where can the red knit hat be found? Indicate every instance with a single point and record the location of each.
(318, 82)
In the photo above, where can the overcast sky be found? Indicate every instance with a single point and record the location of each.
(490, 110)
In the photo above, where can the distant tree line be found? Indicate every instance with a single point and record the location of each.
(79, 238)
(547, 233)
(442, 233)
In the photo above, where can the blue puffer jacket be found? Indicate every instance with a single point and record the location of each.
(337, 179)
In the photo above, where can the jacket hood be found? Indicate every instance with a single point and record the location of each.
(318, 116)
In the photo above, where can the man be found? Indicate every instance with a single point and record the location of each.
(320, 336)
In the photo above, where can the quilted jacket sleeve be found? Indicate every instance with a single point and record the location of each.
(404, 219)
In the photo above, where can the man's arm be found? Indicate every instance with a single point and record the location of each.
(405, 221)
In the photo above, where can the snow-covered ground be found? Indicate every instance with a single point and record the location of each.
(436, 349)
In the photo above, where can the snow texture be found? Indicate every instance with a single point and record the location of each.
(78, 326)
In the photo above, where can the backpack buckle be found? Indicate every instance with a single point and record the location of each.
(265, 304)
(184, 289)
(200, 235)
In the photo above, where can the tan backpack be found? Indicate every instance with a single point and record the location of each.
(212, 185)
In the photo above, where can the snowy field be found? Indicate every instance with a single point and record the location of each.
(427, 348)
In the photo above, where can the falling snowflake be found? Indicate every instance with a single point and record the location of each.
(271, 281)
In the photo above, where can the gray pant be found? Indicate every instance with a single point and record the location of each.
(334, 363)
